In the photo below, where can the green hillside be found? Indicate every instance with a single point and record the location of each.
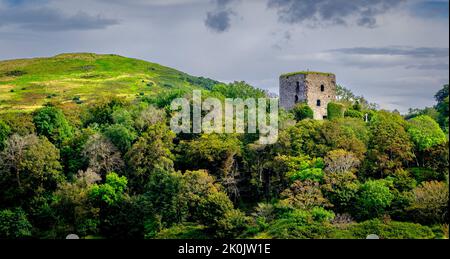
(27, 84)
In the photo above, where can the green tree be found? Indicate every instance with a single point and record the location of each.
(304, 195)
(348, 134)
(152, 151)
(29, 165)
(305, 138)
(430, 203)
(51, 123)
(197, 185)
(340, 161)
(341, 189)
(442, 94)
(442, 107)
(305, 168)
(425, 132)
(112, 191)
(239, 90)
(374, 198)
(121, 136)
(216, 153)
(101, 112)
(164, 194)
(76, 212)
(390, 146)
(14, 224)
(217, 212)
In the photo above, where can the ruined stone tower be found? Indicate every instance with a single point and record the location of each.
(314, 88)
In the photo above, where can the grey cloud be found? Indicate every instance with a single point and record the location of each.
(219, 20)
(49, 19)
(439, 66)
(422, 52)
(423, 58)
(335, 12)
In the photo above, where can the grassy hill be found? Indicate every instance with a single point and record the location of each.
(27, 84)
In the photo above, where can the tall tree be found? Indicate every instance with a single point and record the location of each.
(51, 123)
(29, 165)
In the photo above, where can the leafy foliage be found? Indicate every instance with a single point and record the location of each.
(425, 132)
(302, 111)
(108, 166)
(374, 198)
(335, 111)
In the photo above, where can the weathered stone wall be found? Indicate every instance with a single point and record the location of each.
(314, 83)
(307, 87)
(288, 90)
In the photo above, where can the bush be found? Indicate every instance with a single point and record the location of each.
(322, 215)
(335, 111)
(304, 195)
(15, 73)
(430, 203)
(232, 224)
(213, 208)
(302, 111)
(300, 224)
(183, 231)
(341, 189)
(354, 114)
(374, 198)
(14, 224)
(391, 230)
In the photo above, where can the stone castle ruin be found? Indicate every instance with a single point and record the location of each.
(316, 89)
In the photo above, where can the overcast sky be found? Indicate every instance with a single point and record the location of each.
(394, 52)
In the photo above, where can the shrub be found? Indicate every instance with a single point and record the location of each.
(354, 114)
(14, 224)
(430, 202)
(302, 111)
(335, 111)
(391, 230)
(304, 195)
(15, 73)
(183, 231)
(322, 215)
(232, 224)
(374, 198)
(341, 189)
(300, 224)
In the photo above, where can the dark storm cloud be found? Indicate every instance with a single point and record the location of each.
(49, 19)
(335, 12)
(219, 20)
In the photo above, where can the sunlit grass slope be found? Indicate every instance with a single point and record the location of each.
(27, 84)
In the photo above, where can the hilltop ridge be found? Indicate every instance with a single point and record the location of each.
(27, 84)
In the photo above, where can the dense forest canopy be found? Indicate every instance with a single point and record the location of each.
(112, 168)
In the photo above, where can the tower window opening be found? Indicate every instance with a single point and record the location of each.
(297, 89)
(319, 103)
(296, 99)
(322, 88)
